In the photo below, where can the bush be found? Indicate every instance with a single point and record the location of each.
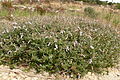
(6, 4)
(90, 12)
(118, 5)
(58, 47)
(40, 10)
(110, 3)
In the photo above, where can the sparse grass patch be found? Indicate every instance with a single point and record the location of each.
(90, 12)
(24, 13)
(116, 22)
(109, 16)
(18, 13)
(59, 44)
(3, 13)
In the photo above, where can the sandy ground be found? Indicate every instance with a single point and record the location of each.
(18, 74)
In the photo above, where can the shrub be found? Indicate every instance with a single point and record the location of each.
(40, 10)
(90, 12)
(110, 3)
(118, 5)
(59, 47)
(6, 4)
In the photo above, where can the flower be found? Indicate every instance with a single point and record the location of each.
(49, 44)
(91, 47)
(67, 48)
(75, 43)
(9, 52)
(81, 33)
(90, 61)
(21, 35)
(62, 31)
(56, 47)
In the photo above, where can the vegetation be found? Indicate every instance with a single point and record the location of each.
(118, 6)
(6, 4)
(58, 47)
(90, 12)
(59, 40)
(94, 2)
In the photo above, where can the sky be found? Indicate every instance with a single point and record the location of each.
(116, 1)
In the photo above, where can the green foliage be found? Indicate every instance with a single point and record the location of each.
(110, 3)
(116, 21)
(90, 12)
(3, 13)
(57, 47)
(109, 16)
(118, 5)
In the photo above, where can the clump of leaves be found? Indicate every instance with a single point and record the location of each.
(90, 12)
(55, 48)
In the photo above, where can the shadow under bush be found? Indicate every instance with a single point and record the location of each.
(58, 48)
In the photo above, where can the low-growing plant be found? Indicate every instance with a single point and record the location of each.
(116, 21)
(59, 47)
(40, 10)
(109, 16)
(90, 12)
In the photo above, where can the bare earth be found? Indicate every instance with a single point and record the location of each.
(18, 74)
